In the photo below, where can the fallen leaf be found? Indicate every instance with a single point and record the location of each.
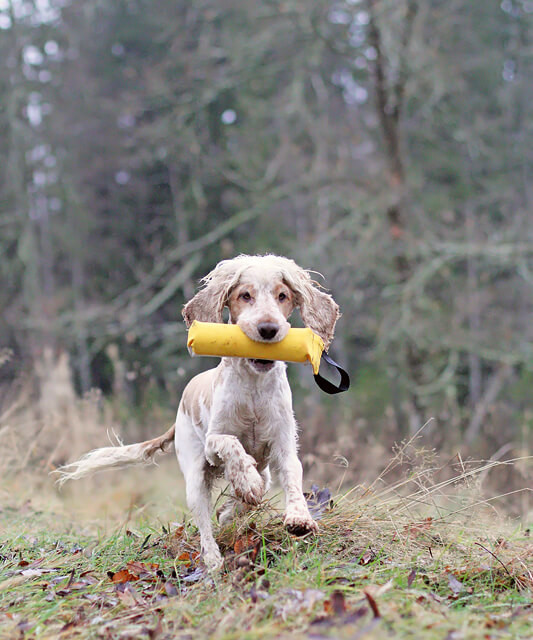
(367, 557)
(318, 501)
(122, 576)
(244, 543)
(140, 568)
(411, 578)
(495, 622)
(129, 596)
(337, 603)
(189, 557)
(170, 589)
(373, 604)
(337, 612)
(248, 544)
(454, 584)
(88, 577)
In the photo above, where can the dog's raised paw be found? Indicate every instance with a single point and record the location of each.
(249, 486)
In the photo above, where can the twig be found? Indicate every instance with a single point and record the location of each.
(496, 557)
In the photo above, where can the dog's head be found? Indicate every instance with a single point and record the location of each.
(261, 292)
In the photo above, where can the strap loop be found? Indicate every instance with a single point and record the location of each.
(328, 386)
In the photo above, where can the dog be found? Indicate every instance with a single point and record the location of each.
(236, 420)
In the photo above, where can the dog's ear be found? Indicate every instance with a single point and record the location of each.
(208, 304)
(320, 313)
(318, 309)
(205, 307)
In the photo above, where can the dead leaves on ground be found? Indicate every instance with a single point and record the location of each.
(339, 613)
(138, 590)
(318, 501)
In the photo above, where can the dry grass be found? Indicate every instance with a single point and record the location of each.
(420, 549)
(389, 560)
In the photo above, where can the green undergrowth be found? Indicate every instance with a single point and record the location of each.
(380, 567)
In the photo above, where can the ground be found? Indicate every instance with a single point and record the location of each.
(418, 558)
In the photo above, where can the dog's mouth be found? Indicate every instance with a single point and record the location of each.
(261, 365)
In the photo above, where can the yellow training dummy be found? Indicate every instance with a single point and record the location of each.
(214, 339)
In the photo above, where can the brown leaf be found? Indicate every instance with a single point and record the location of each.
(495, 622)
(244, 544)
(411, 577)
(373, 604)
(122, 576)
(338, 603)
(189, 557)
(501, 543)
(138, 568)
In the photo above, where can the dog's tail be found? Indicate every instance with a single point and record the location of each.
(115, 457)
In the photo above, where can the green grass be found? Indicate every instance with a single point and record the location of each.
(378, 568)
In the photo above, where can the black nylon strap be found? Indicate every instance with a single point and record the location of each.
(328, 386)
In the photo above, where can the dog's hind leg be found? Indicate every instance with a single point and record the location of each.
(199, 502)
(198, 482)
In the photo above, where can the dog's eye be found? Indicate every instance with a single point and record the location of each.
(245, 296)
(282, 296)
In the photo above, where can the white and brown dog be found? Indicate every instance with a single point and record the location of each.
(236, 420)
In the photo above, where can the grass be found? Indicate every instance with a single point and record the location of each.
(115, 556)
(420, 558)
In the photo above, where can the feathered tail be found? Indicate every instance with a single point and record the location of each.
(115, 457)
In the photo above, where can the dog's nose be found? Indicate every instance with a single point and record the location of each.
(267, 330)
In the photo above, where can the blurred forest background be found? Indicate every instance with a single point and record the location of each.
(386, 144)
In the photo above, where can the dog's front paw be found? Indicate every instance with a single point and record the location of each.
(247, 483)
(299, 521)
(249, 487)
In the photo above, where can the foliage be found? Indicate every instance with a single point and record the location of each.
(382, 143)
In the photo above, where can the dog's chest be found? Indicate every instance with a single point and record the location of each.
(253, 424)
